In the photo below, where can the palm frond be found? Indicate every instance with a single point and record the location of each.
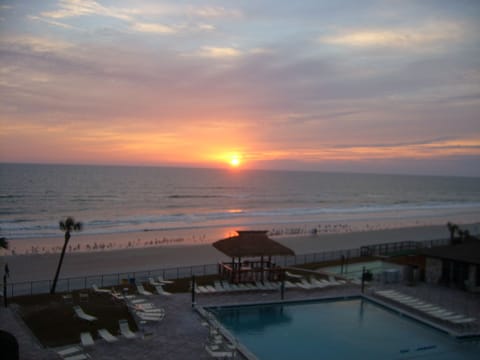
(3, 243)
(69, 224)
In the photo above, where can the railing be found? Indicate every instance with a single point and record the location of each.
(105, 280)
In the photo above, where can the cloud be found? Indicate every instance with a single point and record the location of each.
(214, 12)
(421, 37)
(153, 28)
(149, 19)
(219, 52)
(35, 44)
(51, 22)
(74, 8)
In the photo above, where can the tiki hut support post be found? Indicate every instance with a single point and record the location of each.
(270, 265)
(193, 290)
(262, 268)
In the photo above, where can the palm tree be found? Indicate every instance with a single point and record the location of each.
(4, 246)
(452, 228)
(66, 226)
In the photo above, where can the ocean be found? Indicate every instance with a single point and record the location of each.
(115, 199)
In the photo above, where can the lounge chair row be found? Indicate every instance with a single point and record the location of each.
(87, 340)
(217, 346)
(158, 288)
(312, 283)
(140, 289)
(218, 287)
(147, 311)
(432, 310)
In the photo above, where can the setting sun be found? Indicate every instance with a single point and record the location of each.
(235, 161)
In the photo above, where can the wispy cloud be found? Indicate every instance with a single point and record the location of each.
(214, 12)
(74, 8)
(153, 28)
(219, 52)
(35, 43)
(421, 37)
(150, 19)
(51, 22)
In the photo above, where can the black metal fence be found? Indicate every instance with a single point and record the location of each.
(105, 280)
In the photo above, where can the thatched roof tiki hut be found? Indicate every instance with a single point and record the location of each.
(257, 249)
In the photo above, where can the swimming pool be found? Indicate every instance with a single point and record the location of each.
(354, 270)
(353, 328)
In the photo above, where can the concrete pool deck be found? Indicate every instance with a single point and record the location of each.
(181, 335)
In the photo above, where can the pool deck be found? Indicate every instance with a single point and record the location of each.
(181, 335)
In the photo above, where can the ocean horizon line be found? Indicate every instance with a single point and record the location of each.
(244, 169)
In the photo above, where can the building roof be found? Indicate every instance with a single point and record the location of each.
(467, 252)
(251, 243)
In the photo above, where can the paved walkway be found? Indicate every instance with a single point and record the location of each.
(181, 335)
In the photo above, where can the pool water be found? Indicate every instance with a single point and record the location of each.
(338, 329)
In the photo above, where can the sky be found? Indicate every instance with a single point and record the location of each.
(362, 86)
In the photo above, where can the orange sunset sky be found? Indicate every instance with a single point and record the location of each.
(363, 86)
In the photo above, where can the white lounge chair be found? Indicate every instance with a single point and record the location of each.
(77, 357)
(295, 276)
(69, 351)
(82, 315)
(290, 285)
(98, 290)
(150, 317)
(200, 289)
(152, 282)
(260, 286)
(144, 305)
(86, 339)
(463, 321)
(452, 317)
(218, 286)
(318, 283)
(125, 329)
(333, 281)
(305, 284)
(138, 301)
(141, 290)
(163, 281)
(210, 288)
(441, 312)
(229, 287)
(214, 352)
(107, 336)
(150, 310)
(161, 291)
(272, 285)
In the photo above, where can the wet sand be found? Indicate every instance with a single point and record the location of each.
(42, 266)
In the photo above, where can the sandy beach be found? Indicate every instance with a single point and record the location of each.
(42, 266)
